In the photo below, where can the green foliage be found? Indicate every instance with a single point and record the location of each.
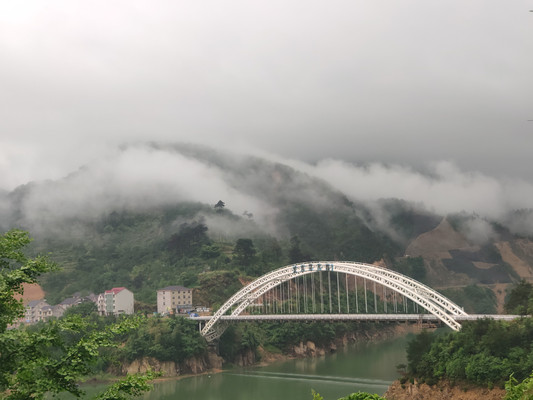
(519, 299)
(54, 357)
(189, 240)
(485, 352)
(416, 349)
(407, 219)
(483, 369)
(278, 337)
(295, 252)
(474, 299)
(143, 251)
(282, 335)
(412, 267)
(362, 396)
(132, 385)
(333, 231)
(15, 270)
(353, 396)
(83, 309)
(216, 287)
(240, 338)
(244, 252)
(51, 357)
(271, 251)
(519, 391)
(174, 338)
(208, 252)
(316, 396)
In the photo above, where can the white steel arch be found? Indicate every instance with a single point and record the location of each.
(434, 302)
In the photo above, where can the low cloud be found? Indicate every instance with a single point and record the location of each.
(442, 188)
(142, 176)
(135, 178)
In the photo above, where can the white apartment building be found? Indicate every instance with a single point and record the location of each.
(172, 299)
(115, 301)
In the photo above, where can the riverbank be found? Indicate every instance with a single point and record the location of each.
(441, 391)
(212, 363)
(367, 365)
(363, 366)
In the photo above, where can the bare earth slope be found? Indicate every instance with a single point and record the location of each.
(438, 242)
(520, 265)
(31, 292)
(435, 246)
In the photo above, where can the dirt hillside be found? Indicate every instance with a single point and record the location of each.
(438, 242)
(518, 262)
(31, 292)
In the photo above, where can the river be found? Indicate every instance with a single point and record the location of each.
(369, 367)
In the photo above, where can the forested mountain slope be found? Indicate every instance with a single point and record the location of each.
(223, 216)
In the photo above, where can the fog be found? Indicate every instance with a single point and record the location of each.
(142, 177)
(423, 102)
(384, 82)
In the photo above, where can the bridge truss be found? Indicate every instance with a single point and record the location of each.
(289, 289)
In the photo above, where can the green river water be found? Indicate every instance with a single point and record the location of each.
(369, 367)
(365, 367)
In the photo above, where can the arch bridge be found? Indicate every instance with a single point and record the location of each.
(317, 288)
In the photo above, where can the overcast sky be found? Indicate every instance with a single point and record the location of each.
(407, 83)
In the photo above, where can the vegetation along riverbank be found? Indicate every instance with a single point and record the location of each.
(486, 359)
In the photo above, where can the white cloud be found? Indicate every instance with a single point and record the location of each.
(377, 82)
(137, 177)
(143, 176)
(443, 188)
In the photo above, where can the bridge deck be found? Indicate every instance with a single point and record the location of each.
(354, 317)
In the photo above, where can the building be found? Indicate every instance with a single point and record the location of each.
(115, 302)
(58, 311)
(40, 310)
(37, 310)
(174, 299)
(71, 301)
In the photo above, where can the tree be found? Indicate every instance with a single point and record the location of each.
(416, 349)
(518, 300)
(519, 391)
(51, 358)
(189, 239)
(295, 253)
(220, 206)
(353, 396)
(244, 252)
(15, 270)
(412, 267)
(272, 251)
(362, 396)
(84, 309)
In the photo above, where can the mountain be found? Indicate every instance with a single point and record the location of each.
(146, 218)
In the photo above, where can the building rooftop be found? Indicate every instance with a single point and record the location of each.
(174, 288)
(70, 301)
(115, 290)
(34, 303)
